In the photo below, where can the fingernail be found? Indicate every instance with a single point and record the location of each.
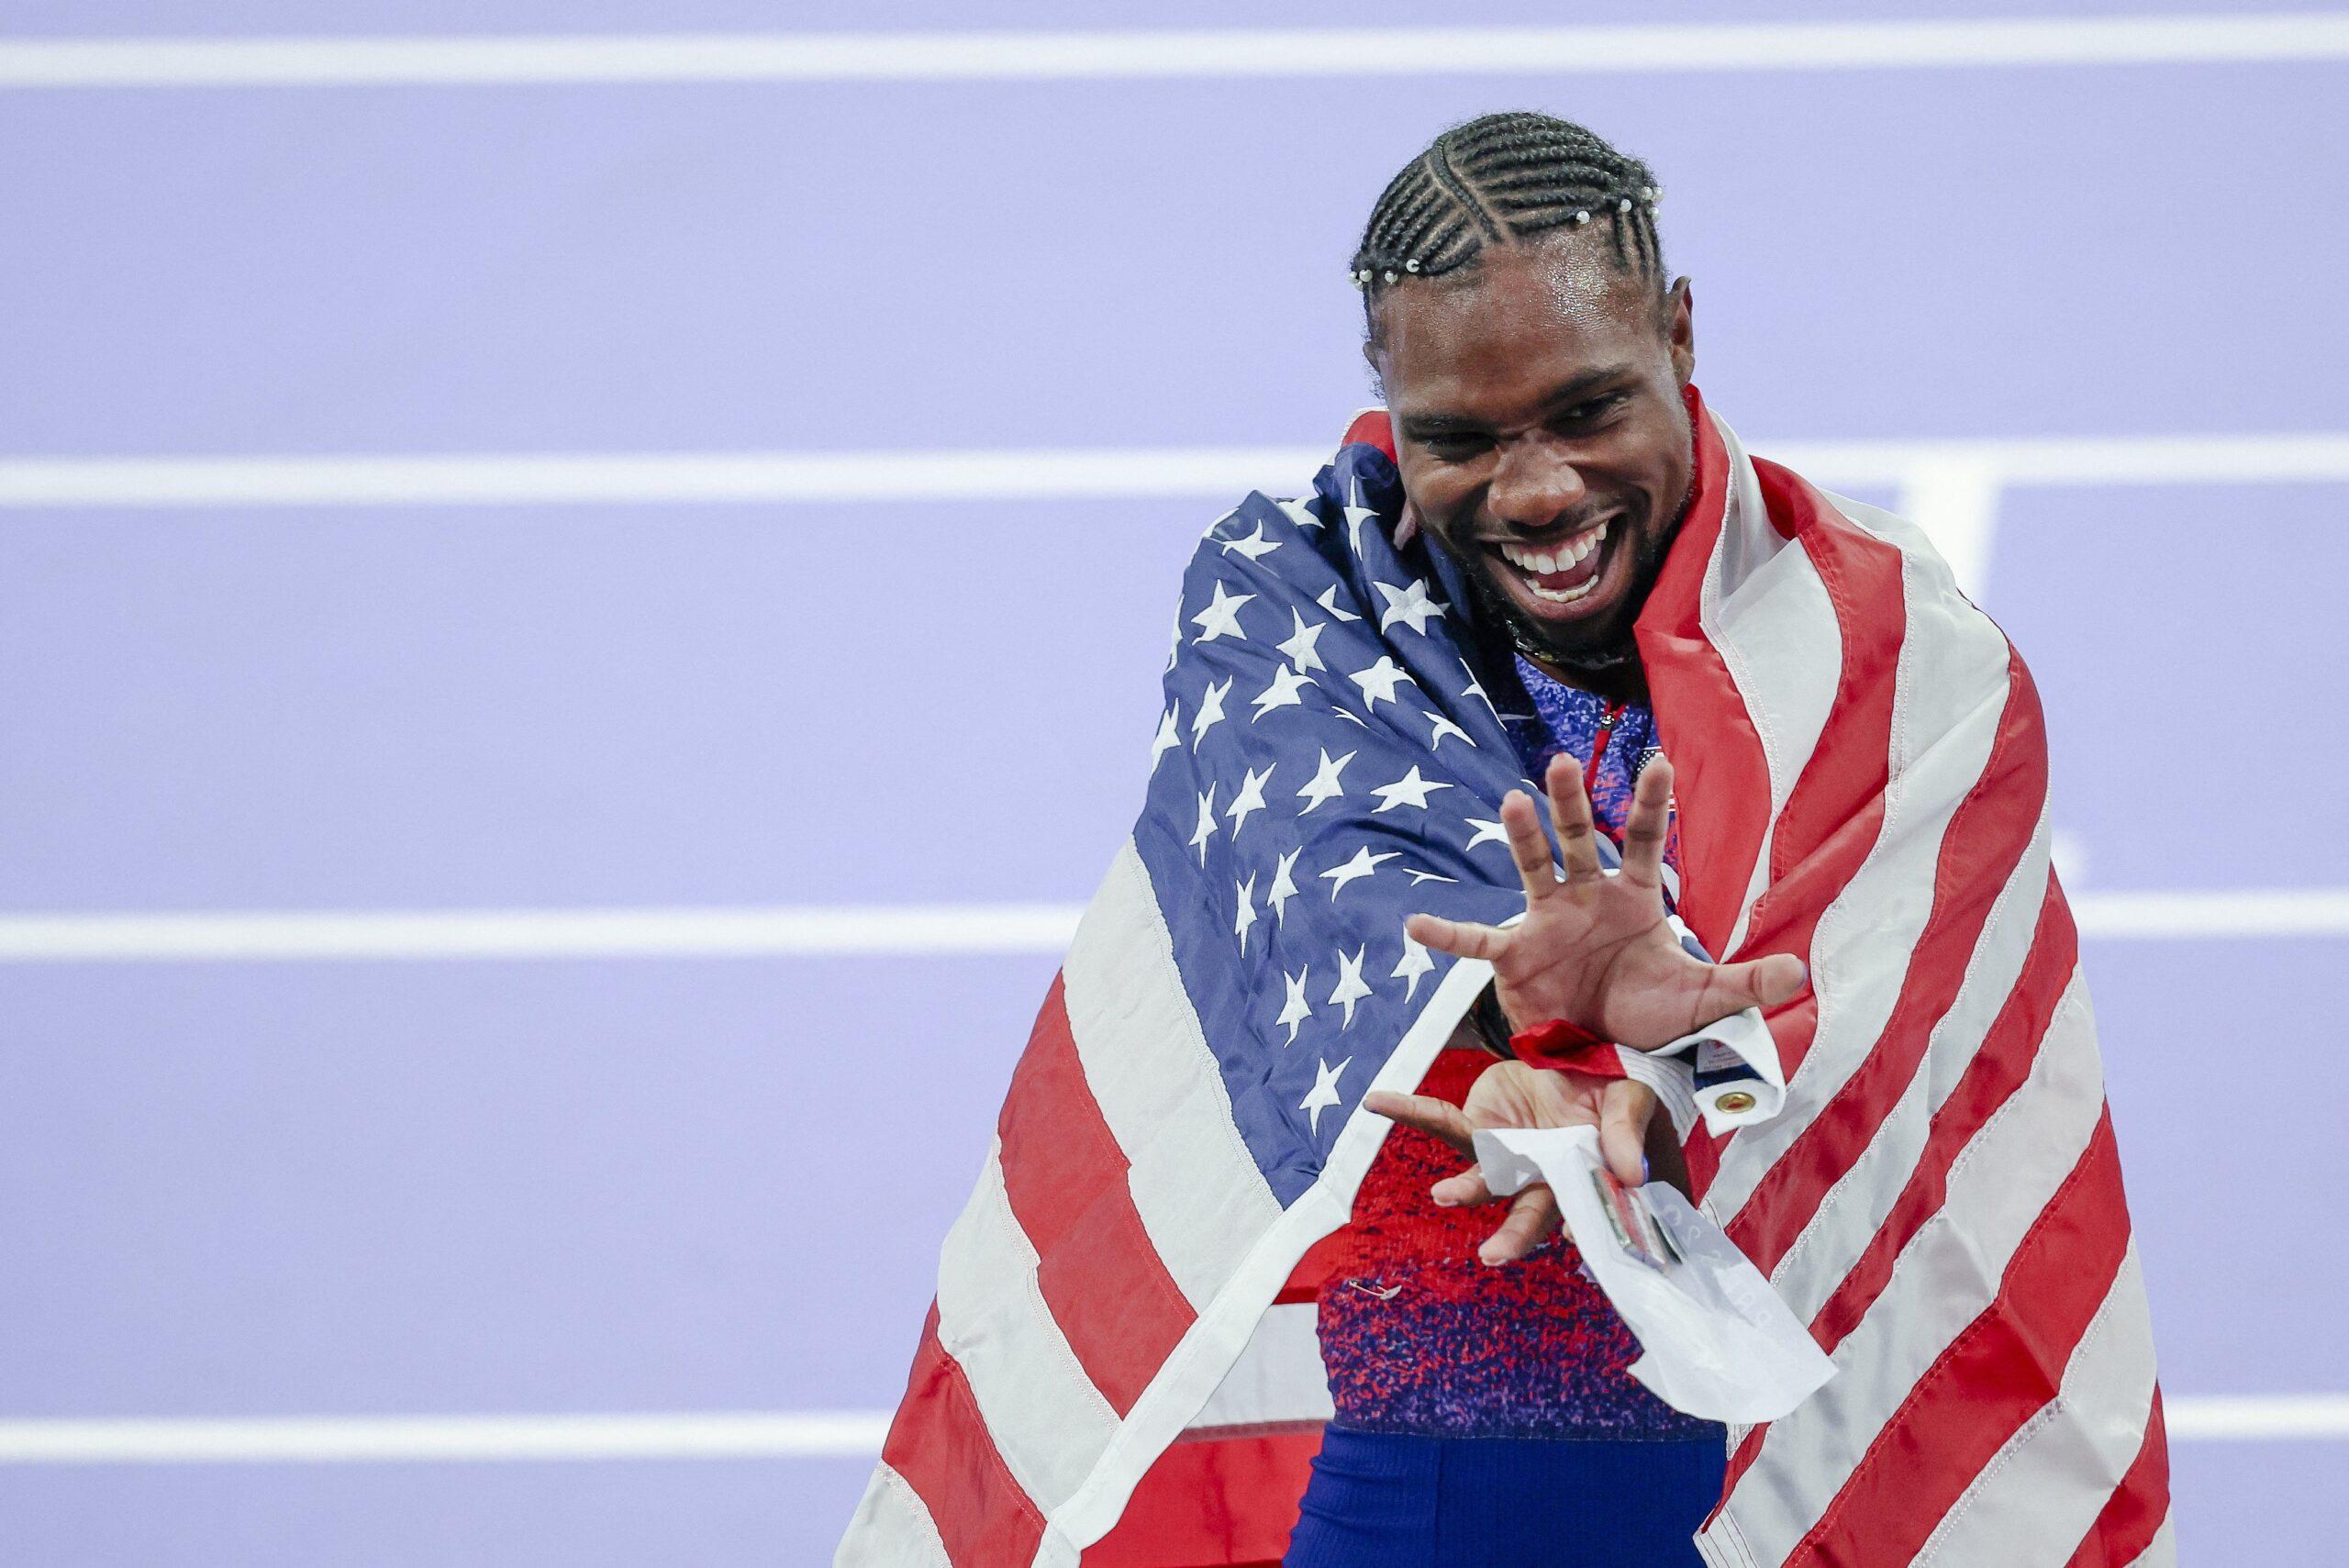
(1643, 1168)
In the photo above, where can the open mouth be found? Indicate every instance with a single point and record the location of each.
(1563, 572)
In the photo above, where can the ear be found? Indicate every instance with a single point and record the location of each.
(1680, 330)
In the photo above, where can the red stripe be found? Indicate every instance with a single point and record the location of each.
(1842, 786)
(1106, 1285)
(1223, 1500)
(2004, 1368)
(2133, 1516)
(1983, 840)
(939, 1444)
(1719, 775)
(1997, 1070)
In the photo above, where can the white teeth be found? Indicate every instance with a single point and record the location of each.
(1571, 553)
(1566, 597)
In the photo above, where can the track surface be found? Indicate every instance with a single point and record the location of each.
(537, 1186)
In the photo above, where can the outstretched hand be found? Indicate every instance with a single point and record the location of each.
(1593, 947)
(1511, 1094)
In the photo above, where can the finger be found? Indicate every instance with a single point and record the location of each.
(1463, 1191)
(1428, 1114)
(1463, 939)
(1532, 1216)
(1527, 846)
(1624, 1113)
(1570, 815)
(1648, 820)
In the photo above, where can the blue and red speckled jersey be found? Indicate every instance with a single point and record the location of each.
(1417, 1336)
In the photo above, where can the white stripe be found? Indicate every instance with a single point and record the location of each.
(757, 1434)
(1849, 1216)
(1042, 1413)
(1200, 1196)
(1766, 610)
(2035, 1499)
(225, 936)
(2162, 1551)
(777, 478)
(1278, 1380)
(891, 1529)
(1226, 53)
(1950, 691)
(1942, 1281)
(336, 1439)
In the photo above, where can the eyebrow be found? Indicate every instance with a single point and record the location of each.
(1567, 393)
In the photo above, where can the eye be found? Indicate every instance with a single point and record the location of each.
(1592, 411)
(1454, 446)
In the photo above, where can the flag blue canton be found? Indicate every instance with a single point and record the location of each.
(1328, 764)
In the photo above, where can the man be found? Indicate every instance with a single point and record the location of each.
(1549, 562)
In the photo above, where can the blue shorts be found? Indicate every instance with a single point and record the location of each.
(1393, 1500)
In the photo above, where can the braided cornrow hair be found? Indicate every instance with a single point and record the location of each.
(1501, 179)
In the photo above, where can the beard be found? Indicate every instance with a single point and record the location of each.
(1597, 651)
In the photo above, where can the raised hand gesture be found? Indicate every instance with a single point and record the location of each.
(1593, 947)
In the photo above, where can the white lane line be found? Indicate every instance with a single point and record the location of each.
(727, 932)
(1942, 467)
(796, 1434)
(2185, 915)
(864, 930)
(1237, 53)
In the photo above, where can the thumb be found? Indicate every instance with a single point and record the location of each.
(1759, 982)
(1624, 1113)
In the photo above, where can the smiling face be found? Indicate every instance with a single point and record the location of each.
(1540, 432)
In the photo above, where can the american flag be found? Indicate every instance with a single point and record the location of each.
(1861, 782)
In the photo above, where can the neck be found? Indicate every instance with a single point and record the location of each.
(1616, 675)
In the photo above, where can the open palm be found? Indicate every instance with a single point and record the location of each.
(1593, 947)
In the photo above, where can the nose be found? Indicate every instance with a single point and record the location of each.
(1533, 484)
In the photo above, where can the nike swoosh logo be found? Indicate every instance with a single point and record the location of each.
(1389, 1294)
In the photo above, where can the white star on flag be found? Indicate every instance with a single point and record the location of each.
(1408, 790)
(1378, 682)
(1206, 828)
(1356, 514)
(1299, 646)
(1295, 1008)
(1486, 833)
(1324, 1093)
(1255, 545)
(1420, 876)
(1323, 786)
(1352, 988)
(1247, 915)
(1211, 708)
(1282, 692)
(1282, 889)
(1411, 605)
(1249, 798)
(1440, 727)
(1363, 865)
(1301, 513)
(1221, 617)
(1329, 601)
(1415, 963)
(1169, 734)
(1476, 689)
